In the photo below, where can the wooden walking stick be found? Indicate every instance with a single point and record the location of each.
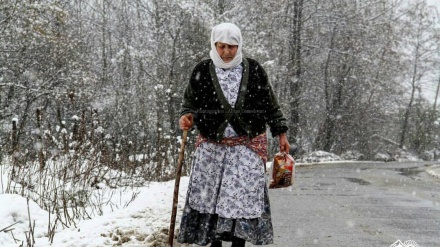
(176, 188)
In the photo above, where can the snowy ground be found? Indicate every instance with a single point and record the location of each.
(139, 224)
(144, 222)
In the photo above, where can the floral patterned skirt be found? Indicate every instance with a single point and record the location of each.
(227, 197)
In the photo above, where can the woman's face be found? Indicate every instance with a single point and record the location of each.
(226, 51)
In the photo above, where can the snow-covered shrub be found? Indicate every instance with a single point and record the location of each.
(431, 155)
(319, 156)
(352, 155)
(383, 157)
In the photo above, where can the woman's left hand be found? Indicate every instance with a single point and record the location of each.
(284, 143)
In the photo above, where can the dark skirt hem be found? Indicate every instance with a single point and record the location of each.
(202, 229)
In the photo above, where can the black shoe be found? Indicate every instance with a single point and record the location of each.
(238, 242)
(216, 243)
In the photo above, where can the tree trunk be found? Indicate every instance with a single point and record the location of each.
(409, 107)
(324, 136)
(435, 104)
(295, 61)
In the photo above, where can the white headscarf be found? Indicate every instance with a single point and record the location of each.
(230, 34)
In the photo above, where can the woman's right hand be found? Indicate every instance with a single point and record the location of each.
(186, 121)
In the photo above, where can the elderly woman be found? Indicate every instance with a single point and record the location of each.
(230, 101)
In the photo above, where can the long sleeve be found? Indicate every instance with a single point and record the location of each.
(274, 116)
(188, 105)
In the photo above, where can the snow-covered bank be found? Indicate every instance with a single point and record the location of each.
(434, 171)
(138, 224)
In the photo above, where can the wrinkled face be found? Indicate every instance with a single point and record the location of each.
(226, 51)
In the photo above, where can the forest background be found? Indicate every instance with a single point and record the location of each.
(100, 81)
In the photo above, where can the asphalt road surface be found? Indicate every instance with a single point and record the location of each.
(358, 204)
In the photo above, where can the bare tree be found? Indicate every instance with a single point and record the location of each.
(420, 43)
